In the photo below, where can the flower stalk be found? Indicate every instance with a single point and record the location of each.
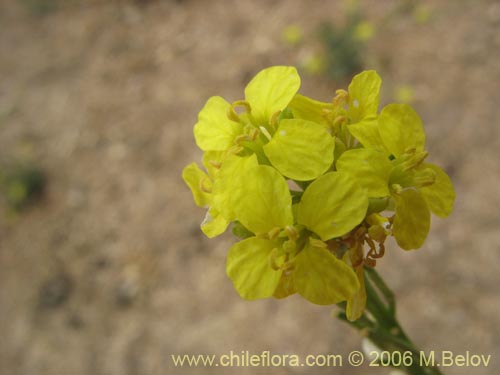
(379, 324)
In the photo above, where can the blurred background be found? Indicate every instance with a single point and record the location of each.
(103, 268)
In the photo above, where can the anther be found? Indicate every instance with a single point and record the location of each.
(425, 178)
(205, 185)
(292, 233)
(244, 104)
(215, 164)
(239, 140)
(254, 134)
(274, 120)
(340, 98)
(339, 120)
(231, 111)
(273, 258)
(415, 160)
(317, 243)
(397, 188)
(273, 233)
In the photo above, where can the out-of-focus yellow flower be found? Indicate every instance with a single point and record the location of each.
(422, 14)
(314, 64)
(364, 31)
(404, 94)
(292, 35)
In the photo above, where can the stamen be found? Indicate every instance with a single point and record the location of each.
(265, 132)
(292, 233)
(339, 120)
(273, 233)
(254, 134)
(414, 161)
(397, 188)
(233, 115)
(369, 262)
(317, 243)
(239, 140)
(426, 177)
(244, 104)
(273, 258)
(274, 120)
(340, 98)
(215, 164)
(205, 185)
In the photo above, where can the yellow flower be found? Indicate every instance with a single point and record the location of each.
(299, 149)
(306, 184)
(219, 127)
(396, 168)
(356, 109)
(286, 255)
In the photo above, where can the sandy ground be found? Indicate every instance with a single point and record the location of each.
(109, 273)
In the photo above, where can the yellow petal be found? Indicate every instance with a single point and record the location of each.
(401, 128)
(228, 187)
(306, 108)
(214, 223)
(249, 268)
(370, 168)
(440, 196)
(321, 278)
(356, 304)
(266, 203)
(270, 91)
(195, 178)
(214, 130)
(364, 95)
(285, 287)
(301, 150)
(332, 205)
(366, 132)
(412, 220)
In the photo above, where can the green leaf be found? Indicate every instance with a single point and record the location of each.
(267, 203)
(332, 205)
(195, 178)
(440, 196)
(412, 220)
(270, 91)
(248, 267)
(301, 150)
(401, 128)
(214, 130)
(370, 168)
(364, 95)
(321, 278)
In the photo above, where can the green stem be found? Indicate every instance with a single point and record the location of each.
(381, 326)
(382, 286)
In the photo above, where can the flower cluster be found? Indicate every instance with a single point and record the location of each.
(313, 189)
